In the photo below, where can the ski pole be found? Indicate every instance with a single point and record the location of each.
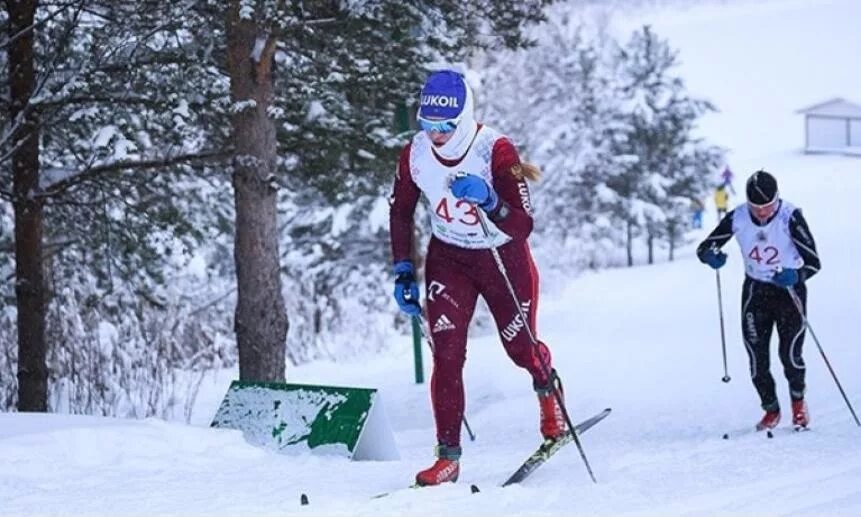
(797, 301)
(429, 340)
(542, 362)
(726, 377)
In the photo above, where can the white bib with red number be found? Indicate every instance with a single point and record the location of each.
(766, 248)
(454, 220)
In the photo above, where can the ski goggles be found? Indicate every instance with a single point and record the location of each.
(438, 126)
(765, 206)
(766, 210)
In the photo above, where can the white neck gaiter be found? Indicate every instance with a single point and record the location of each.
(463, 136)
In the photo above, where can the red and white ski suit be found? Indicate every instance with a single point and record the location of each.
(460, 266)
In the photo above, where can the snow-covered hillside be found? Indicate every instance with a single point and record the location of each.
(644, 341)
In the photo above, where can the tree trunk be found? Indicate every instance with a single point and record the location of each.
(651, 241)
(630, 242)
(29, 281)
(671, 231)
(261, 317)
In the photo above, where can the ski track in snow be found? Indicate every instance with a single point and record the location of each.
(644, 341)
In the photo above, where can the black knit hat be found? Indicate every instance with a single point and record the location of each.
(761, 188)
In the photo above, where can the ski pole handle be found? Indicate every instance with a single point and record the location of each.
(408, 296)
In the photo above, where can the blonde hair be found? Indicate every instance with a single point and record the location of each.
(526, 170)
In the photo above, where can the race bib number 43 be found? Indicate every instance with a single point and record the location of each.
(463, 212)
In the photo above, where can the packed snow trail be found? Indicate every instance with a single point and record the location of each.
(642, 340)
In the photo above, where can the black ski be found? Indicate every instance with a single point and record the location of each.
(769, 433)
(550, 447)
(547, 449)
(473, 489)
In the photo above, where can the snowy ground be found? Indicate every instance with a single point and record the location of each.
(644, 341)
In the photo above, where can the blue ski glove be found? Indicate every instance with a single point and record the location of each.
(406, 288)
(475, 190)
(785, 277)
(714, 258)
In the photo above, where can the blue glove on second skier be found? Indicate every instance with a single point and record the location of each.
(474, 189)
(406, 288)
(714, 258)
(786, 277)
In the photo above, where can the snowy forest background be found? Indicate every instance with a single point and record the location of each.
(139, 155)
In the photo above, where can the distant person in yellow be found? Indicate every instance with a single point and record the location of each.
(721, 201)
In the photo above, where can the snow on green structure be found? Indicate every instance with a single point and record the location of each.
(292, 418)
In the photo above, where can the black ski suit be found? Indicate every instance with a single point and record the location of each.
(765, 304)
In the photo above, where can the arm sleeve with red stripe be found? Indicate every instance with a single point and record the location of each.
(402, 207)
(515, 218)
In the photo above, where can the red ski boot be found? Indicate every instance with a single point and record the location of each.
(552, 420)
(800, 417)
(444, 470)
(769, 420)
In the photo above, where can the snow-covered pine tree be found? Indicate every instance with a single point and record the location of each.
(135, 92)
(556, 100)
(116, 90)
(672, 166)
(340, 73)
(613, 131)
